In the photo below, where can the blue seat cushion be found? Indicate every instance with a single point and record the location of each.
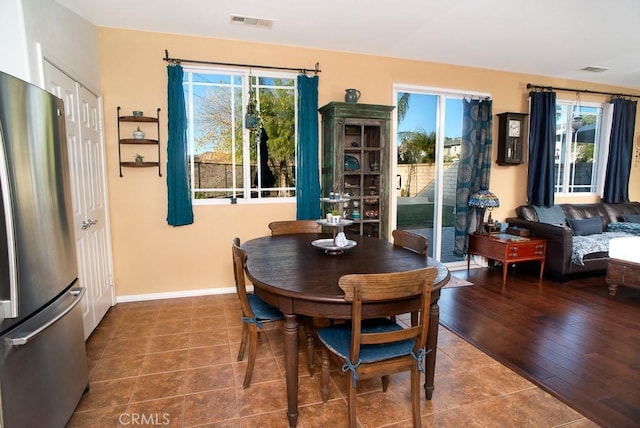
(338, 339)
(262, 310)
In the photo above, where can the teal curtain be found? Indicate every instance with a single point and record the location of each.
(180, 211)
(474, 167)
(307, 174)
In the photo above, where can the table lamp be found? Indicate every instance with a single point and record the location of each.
(482, 200)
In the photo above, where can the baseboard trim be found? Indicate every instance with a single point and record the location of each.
(174, 294)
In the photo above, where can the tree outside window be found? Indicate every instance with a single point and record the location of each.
(228, 160)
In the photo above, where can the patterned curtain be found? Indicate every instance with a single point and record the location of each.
(542, 146)
(474, 167)
(180, 211)
(308, 174)
(616, 184)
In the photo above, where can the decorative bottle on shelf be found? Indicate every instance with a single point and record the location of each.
(138, 134)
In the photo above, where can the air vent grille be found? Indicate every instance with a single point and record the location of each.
(594, 69)
(248, 20)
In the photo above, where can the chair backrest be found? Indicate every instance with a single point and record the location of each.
(411, 241)
(239, 265)
(362, 288)
(288, 227)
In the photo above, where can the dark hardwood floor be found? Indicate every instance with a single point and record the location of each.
(571, 338)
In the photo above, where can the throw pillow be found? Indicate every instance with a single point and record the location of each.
(631, 218)
(550, 215)
(585, 226)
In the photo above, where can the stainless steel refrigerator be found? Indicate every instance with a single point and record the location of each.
(43, 362)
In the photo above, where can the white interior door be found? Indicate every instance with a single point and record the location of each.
(95, 202)
(88, 186)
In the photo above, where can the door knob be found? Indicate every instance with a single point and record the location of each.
(86, 224)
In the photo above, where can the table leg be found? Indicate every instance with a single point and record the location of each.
(432, 343)
(291, 366)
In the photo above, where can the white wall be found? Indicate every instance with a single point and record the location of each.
(13, 51)
(33, 29)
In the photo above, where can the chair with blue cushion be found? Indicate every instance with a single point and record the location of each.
(379, 347)
(256, 314)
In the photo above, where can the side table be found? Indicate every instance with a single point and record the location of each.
(507, 249)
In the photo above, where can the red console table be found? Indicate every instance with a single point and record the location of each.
(507, 249)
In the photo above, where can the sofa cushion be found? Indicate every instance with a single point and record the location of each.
(585, 226)
(550, 215)
(584, 247)
(631, 218)
(526, 212)
(616, 211)
(623, 226)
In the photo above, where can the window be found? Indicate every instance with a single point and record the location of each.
(227, 160)
(579, 138)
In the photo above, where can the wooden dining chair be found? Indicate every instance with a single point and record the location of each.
(411, 241)
(288, 227)
(379, 347)
(256, 314)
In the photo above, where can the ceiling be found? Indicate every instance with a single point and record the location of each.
(554, 38)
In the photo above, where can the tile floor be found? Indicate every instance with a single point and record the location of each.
(173, 363)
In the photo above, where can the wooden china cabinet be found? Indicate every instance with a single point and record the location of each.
(356, 161)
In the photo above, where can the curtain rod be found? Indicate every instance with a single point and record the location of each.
(270, 67)
(586, 91)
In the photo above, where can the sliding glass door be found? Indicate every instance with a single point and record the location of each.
(428, 133)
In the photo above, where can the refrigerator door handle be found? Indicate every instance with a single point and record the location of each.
(8, 308)
(23, 340)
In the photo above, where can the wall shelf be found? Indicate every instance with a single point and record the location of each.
(146, 121)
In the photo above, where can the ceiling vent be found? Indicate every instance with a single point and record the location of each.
(256, 22)
(594, 69)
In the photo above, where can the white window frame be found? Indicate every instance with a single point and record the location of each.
(600, 153)
(247, 189)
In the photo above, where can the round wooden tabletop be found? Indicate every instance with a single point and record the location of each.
(290, 266)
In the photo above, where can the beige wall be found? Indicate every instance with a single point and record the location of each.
(152, 257)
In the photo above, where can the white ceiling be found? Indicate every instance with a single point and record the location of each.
(544, 37)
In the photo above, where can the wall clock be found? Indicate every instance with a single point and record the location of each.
(512, 133)
(514, 127)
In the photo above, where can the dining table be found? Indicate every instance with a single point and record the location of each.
(301, 279)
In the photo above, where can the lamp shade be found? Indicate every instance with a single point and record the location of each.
(483, 199)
